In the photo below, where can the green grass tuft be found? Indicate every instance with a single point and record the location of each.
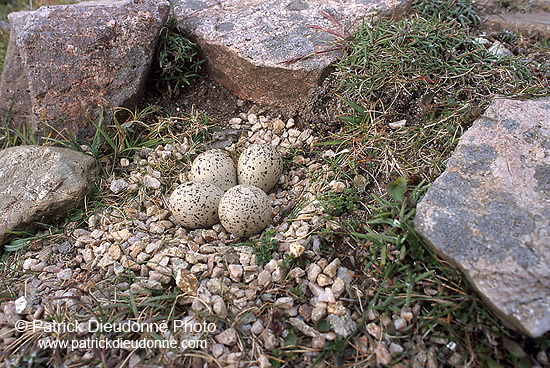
(462, 11)
(178, 60)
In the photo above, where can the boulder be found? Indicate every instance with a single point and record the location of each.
(37, 183)
(535, 25)
(67, 63)
(489, 212)
(247, 42)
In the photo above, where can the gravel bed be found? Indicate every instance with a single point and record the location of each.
(137, 249)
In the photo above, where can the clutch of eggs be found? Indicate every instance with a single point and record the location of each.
(233, 194)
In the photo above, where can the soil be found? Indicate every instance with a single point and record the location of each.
(320, 110)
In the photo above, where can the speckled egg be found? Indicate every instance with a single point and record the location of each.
(195, 204)
(245, 210)
(260, 165)
(215, 167)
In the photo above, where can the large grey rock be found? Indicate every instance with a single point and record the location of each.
(489, 212)
(536, 24)
(37, 183)
(246, 42)
(66, 63)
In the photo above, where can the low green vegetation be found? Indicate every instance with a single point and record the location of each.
(463, 12)
(178, 60)
(265, 247)
(411, 88)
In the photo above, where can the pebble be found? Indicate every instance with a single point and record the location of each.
(327, 296)
(397, 124)
(217, 350)
(395, 349)
(342, 325)
(323, 280)
(383, 356)
(118, 185)
(297, 249)
(264, 278)
(285, 302)
(227, 337)
(338, 287)
(374, 330)
(219, 307)
(150, 182)
(235, 271)
(278, 275)
(313, 271)
(332, 268)
(22, 305)
(400, 324)
(305, 311)
(65, 274)
(318, 313)
(257, 327)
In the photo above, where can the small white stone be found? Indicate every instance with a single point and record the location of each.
(317, 313)
(316, 290)
(323, 280)
(338, 287)
(383, 356)
(22, 305)
(264, 278)
(219, 307)
(150, 182)
(400, 324)
(395, 349)
(285, 302)
(374, 330)
(65, 274)
(327, 296)
(257, 327)
(397, 124)
(499, 49)
(296, 249)
(235, 271)
(313, 270)
(118, 185)
(217, 350)
(252, 119)
(332, 268)
(256, 127)
(338, 186)
(271, 265)
(227, 337)
(29, 263)
(264, 361)
(278, 275)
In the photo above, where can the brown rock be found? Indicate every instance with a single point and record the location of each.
(66, 63)
(37, 183)
(246, 42)
(489, 213)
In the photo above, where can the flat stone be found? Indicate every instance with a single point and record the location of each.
(67, 63)
(343, 325)
(489, 212)
(38, 183)
(247, 42)
(534, 24)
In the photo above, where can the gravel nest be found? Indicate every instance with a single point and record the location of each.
(140, 250)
